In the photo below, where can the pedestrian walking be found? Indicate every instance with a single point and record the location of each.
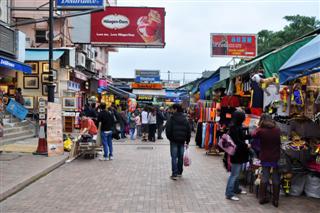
(269, 136)
(178, 132)
(123, 123)
(107, 123)
(152, 121)
(240, 156)
(19, 97)
(138, 124)
(160, 122)
(144, 124)
(132, 125)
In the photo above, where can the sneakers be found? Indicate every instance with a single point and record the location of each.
(111, 158)
(179, 176)
(243, 192)
(174, 177)
(233, 198)
(104, 159)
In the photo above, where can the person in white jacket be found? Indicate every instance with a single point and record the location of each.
(152, 120)
(144, 124)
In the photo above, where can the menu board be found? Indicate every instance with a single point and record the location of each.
(54, 129)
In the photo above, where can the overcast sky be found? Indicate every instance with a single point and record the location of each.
(188, 25)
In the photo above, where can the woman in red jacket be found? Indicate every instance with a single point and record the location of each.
(269, 135)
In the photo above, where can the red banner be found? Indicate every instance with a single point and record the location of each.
(237, 45)
(128, 26)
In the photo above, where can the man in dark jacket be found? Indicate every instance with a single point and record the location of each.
(178, 132)
(107, 122)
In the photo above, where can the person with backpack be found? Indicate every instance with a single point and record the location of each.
(241, 155)
(269, 136)
(179, 133)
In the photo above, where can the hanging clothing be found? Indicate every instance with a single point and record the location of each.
(199, 135)
(203, 134)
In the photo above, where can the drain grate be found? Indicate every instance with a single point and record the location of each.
(145, 147)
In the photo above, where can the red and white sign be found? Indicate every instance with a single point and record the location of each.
(128, 26)
(234, 45)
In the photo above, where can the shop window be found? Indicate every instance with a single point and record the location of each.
(41, 36)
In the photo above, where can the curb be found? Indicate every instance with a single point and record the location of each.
(30, 180)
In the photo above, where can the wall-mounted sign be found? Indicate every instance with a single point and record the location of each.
(128, 26)
(234, 45)
(80, 4)
(146, 86)
(147, 79)
(144, 98)
(73, 86)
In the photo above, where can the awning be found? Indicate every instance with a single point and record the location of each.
(303, 62)
(220, 84)
(42, 54)
(208, 83)
(149, 92)
(119, 92)
(14, 65)
(273, 62)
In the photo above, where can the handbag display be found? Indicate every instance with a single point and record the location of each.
(226, 143)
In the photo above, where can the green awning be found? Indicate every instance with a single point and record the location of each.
(220, 84)
(274, 61)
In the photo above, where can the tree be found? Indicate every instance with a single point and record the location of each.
(297, 27)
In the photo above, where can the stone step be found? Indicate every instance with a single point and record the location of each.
(9, 130)
(17, 134)
(16, 139)
(16, 124)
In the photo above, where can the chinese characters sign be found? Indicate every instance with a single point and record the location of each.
(133, 26)
(54, 129)
(234, 45)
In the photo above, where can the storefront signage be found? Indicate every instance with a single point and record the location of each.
(80, 76)
(147, 73)
(14, 65)
(147, 79)
(17, 109)
(128, 26)
(80, 4)
(171, 84)
(54, 129)
(144, 98)
(146, 86)
(74, 86)
(233, 45)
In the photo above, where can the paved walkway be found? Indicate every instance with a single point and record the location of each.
(138, 181)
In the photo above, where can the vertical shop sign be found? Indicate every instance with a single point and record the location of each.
(54, 129)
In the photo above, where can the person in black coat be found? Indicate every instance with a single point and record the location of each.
(160, 122)
(178, 132)
(240, 156)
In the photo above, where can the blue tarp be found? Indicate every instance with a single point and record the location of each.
(42, 55)
(304, 61)
(208, 83)
(14, 65)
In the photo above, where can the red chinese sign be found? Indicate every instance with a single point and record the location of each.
(128, 26)
(235, 45)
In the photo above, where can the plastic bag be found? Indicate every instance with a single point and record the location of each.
(226, 143)
(312, 186)
(297, 184)
(186, 157)
(67, 144)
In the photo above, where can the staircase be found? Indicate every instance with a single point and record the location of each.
(16, 130)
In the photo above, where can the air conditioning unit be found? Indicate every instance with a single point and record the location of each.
(92, 67)
(81, 60)
(90, 55)
(84, 48)
(56, 36)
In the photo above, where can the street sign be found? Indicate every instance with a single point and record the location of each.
(80, 4)
(147, 79)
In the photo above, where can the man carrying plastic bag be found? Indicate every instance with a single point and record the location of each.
(178, 132)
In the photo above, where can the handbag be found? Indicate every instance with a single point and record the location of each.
(226, 143)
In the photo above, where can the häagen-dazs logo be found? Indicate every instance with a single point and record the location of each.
(115, 21)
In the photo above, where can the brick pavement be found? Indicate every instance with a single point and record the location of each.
(138, 181)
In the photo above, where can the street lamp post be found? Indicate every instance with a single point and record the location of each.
(50, 85)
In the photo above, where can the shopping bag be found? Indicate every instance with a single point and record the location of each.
(226, 143)
(186, 157)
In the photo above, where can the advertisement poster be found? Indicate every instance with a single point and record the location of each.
(54, 129)
(128, 26)
(233, 45)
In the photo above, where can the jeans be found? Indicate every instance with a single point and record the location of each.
(266, 175)
(123, 130)
(177, 151)
(160, 130)
(233, 181)
(139, 134)
(132, 130)
(106, 138)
